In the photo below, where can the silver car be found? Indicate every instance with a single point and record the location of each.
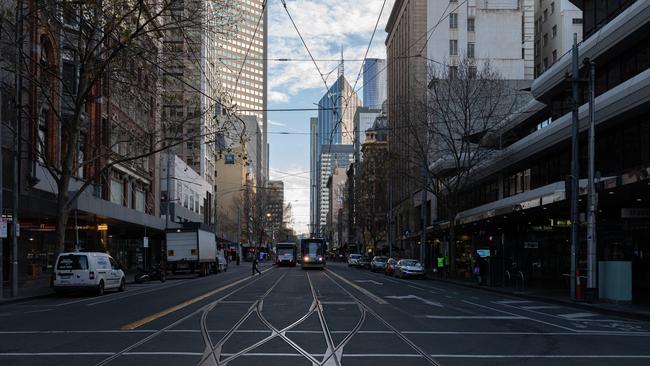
(378, 263)
(353, 260)
(409, 268)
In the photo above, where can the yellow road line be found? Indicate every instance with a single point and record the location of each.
(138, 323)
(377, 299)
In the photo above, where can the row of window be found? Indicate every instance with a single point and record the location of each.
(453, 22)
(453, 48)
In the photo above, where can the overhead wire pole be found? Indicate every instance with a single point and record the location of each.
(592, 198)
(17, 144)
(575, 167)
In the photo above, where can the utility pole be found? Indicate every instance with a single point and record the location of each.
(575, 167)
(423, 240)
(2, 258)
(17, 137)
(592, 198)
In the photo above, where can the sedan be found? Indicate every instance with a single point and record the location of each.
(364, 262)
(409, 268)
(353, 260)
(378, 263)
(390, 267)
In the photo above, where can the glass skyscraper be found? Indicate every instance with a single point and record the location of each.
(374, 82)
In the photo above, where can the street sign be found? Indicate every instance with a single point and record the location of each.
(145, 242)
(102, 227)
(3, 228)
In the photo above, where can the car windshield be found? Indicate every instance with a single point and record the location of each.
(380, 259)
(411, 263)
(285, 251)
(72, 262)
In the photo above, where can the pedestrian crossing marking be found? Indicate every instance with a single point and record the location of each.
(512, 302)
(540, 307)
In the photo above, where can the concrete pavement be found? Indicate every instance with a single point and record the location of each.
(287, 316)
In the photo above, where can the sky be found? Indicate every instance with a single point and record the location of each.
(327, 26)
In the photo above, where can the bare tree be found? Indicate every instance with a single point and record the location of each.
(464, 103)
(104, 86)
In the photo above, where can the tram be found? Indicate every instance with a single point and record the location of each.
(313, 251)
(286, 253)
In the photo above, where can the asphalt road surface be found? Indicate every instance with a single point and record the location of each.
(287, 316)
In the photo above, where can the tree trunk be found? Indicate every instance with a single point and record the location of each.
(62, 213)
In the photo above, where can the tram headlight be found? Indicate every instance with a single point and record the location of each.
(320, 259)
(306, 259)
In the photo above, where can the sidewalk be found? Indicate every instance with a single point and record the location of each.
(560, 297)
(34, 289)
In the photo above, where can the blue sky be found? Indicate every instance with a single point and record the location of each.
(326, 25)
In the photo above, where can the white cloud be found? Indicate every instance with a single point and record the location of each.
(274, 123)
(326, 25)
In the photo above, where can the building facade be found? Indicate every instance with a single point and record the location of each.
(406, 85)
(518, 208)
(498, 32)
(331, 157)
(314, 217)
(335, 222)
(555, 23)
(275, 207)
(374, 82)
(364, 118)
(336, 114)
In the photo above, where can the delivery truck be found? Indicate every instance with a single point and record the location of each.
(192, 249)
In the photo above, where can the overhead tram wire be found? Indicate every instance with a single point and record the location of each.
(426, 34)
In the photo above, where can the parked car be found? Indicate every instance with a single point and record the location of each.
(364, 262)
(353, 260)
(390, 267)
(88, 271)
(378, 263)
(409, 268)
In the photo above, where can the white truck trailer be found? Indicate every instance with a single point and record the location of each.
(191, 249)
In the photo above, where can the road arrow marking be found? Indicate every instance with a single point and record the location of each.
(369, 281)
(428, 302)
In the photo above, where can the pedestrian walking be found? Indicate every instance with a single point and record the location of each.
(441, 265)
(255, 264)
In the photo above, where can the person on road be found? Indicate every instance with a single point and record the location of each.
(255, 264)
(441, 265)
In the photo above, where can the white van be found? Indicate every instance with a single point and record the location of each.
(88, 271)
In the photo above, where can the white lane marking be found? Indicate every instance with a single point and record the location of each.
(417, 287)
(509, 313)
(115, 295)
(541, 356)
(237, 302)
(338, 302)
(573, 316)
(540, 307)
(73, 331)
(554, 334)
(474, 317)
(36, 311)
(425, 301)
(391, 355)
(136, 293)
(20, 354)
(510, 302)
(374, 297)
(369, 281)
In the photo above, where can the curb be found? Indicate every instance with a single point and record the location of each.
(578, 305)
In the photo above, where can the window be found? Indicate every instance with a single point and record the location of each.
(577, 20)
(453, 20)
(117, 191)
(554, 56)
(471, 24)
(471, 72)
(453, 72)
(545, 63)
(470, 50)
(554, 31)
(552, 8)
(41, 144)
(545, 40)
(545, 14)
(453, 47)
(139, 200)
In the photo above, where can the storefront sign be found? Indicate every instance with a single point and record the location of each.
(3, 228)
(102, 227)
(531, 245)
(145, 242)
(635, 213)
(483, 253)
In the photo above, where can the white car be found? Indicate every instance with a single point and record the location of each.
(353, 260)
(409, 268)
(88, 271)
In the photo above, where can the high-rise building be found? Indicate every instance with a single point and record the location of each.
(275, 208)
(407, 81)
(237, 66)
(555, 23)
(336, 114)
(374, 82)
(313, 174)
(331, 157)
(498, 32)
(363, 120)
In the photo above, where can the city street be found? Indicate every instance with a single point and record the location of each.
(288, 316)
